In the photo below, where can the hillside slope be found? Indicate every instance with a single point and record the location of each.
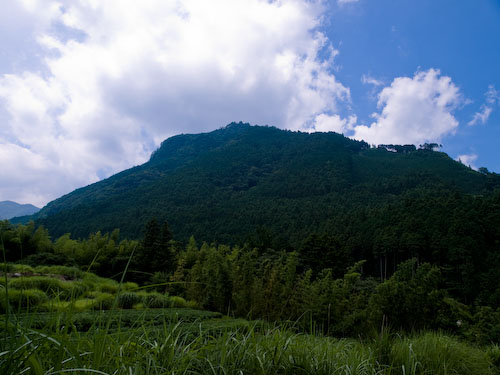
(240, 181)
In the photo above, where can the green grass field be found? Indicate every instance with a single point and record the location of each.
(46, 330)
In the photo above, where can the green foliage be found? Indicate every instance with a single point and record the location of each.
(127, 300)
(50, 285)
(27, 299)
(437, 354)
(175, 301)
(411, 298)
(155, 300)
(227, 185)
(186, 341)
(109, 286)
(70, 273)
(102, 300)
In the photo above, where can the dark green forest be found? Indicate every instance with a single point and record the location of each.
(247, 184)
(425, 263)
(318, 229)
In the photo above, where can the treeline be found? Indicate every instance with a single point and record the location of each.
(321, 285)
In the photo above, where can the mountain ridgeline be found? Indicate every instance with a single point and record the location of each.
(243, 183)
(9, 209)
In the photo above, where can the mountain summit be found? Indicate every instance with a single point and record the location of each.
(239, 180)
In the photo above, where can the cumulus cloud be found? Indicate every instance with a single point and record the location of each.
(414, 110)
(110, 80)
(334, 123)
(468, 160)
(492, 100)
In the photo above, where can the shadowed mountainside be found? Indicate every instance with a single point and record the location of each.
(241, 182)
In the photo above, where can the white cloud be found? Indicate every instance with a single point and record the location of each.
(492, 100)
(110, 80)
(413, 110)
(468, 160)
(334, 123)
(368, 80)
(481, 116)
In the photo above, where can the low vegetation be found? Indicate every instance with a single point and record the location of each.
(183, 342)
(56, 288)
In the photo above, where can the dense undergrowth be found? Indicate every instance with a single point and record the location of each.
(56, 327)
(176, 344)
(56, 288)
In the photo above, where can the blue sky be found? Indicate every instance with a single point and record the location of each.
(89, 88)
(385, 39)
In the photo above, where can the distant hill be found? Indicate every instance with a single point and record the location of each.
(243, 182)
(9, 209)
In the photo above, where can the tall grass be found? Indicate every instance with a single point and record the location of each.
(158, 342)
(168, 345)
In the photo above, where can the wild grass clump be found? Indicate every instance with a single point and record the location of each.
(127, 300)
(102, 301)
(434, 353)
(19, 268)
(129, 285)
(154, 300)
(161, 342)
(26, 299)
(67, 272)
(50, 285)
(175, 301)
(110, 286)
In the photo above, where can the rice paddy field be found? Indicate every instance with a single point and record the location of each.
(82, 324)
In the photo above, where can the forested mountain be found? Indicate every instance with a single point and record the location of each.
(9, 209)
(247, 183)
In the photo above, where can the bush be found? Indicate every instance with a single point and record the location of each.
(493, 353)
(21, 268)
(129, 285)
(22, 299)
(433, 353)
(83, 304)
(102, 301)
(68, 272)
(178, 302)
(127, 300)
(52, 286)
(108, 287)
(38, 259)
(155, 300)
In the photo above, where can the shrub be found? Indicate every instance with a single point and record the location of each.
(102, 301)
(127, 300)
(52, 286)
(178, 302)
(68, 272)
(108, 287)
(23, 299)
(192, 305)
(21, 268)
(434, 353)
(129, 285)
(155, 300)
(83, 304)
(493, 353)
(38, 259)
